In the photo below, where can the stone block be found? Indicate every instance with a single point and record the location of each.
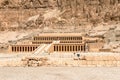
(89, 58)
(105, 58)
(111, 58)
(109, 63)
(34, 65)
(118, 62)
(75, 63)
(82, 58)
(83, 62)
(20, 63)
(79, 62)
(106, 62)
(117, 58)
(102, 63)
(24, 62)
(97, 62)
(115, 63)
(89, 62)
(94, 62)
(96, 58)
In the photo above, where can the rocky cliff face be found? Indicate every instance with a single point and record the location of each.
(71, 12)
(92, 9)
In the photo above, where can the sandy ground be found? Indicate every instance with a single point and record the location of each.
(59, 73)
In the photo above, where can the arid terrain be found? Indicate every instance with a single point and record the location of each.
(59, 73)
(20, 20)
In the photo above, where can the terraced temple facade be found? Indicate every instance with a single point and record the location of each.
(64, 42)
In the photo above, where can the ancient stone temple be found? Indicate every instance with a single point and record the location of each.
(58, 42)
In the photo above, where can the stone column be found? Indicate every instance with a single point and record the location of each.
(13, 48)
(57, 48)
(73, 48)
(21, 49)
(24, 48)
(67, 48)
(28, 49)
(80, 48)
(32, 48)
(76, 47)
(84, 48)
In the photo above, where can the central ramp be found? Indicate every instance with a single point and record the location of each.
(43, 48)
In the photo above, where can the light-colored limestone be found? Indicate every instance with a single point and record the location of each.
(84, 62)
(117, 58)
(102, 63)
(89, 62)
(111, 58)
(89, 58)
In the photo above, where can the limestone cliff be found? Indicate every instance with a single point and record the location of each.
(71, 12)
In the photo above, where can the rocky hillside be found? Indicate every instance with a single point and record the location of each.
(27, 14)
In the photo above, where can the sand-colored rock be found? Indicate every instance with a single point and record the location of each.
(117, 58)
(83, 62)
(89, 58)
(111, 58)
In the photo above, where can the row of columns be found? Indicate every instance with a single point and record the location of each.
(58, 38)
(23, 48)
(41, 42)
(80, 41)
(68, 48)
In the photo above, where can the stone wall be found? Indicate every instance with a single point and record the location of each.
(84, 61)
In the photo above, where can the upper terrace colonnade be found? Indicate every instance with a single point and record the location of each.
(62, 37)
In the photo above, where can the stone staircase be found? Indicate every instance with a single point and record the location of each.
(39, 49)
(44, 48)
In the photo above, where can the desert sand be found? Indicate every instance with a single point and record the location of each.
(59, 73)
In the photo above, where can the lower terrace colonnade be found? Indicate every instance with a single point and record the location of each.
(68, 48)
(23, 48)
